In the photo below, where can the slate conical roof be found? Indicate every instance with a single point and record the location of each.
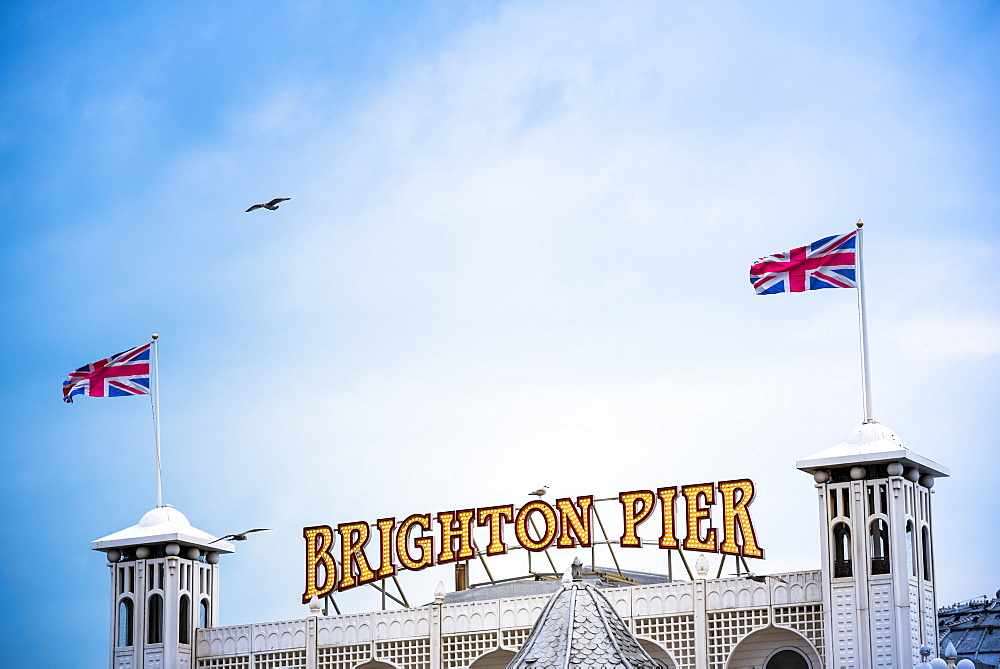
(580, 628)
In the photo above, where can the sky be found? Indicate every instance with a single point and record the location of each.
(516, 254)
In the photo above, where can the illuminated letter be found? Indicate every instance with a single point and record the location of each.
(696, 513)
(669, 538)
(735, 516)
(353, 538)
(636, 506)
(319, 541)
(493, 515)
(425, 544)
(579, 522)
(521, 525)
(386, 568)
(449, 532)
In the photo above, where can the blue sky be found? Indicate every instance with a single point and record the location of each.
(516, 254)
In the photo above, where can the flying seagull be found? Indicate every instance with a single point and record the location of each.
(272, 205)
(760, 578)
(541, 491)
(240, 536)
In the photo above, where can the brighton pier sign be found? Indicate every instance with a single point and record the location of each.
(423, 539)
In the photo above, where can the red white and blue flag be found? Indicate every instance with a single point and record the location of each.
(828, 263)
(126, 373)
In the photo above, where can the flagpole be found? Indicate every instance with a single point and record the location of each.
(156, 417)
(863, 316)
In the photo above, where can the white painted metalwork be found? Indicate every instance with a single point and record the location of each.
(664, 616)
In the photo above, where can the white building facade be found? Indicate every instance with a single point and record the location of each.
(712, 623)
(870, 605)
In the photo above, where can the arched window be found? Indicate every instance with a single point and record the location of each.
(911, 553)
(184, 620)
(842, 551)
(125, 625)
(204, 617)
(787, 659)
(925, 540)
(878, 545)
(154, 619)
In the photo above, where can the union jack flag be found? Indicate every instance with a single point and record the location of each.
(828, 263)
(126, 373)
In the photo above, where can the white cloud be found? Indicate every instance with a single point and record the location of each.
(948, 336)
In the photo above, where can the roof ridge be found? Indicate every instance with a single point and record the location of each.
(572, 623)
(607, 626)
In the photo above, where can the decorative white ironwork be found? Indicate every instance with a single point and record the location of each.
(674, 633)
(343, 657)
(514, 639)
(282, 659)
(845, 631)
(727, 628)
(409, 653)
(463, 649)
(666, 614)
(279, 635)
(231, 662)
(883, 637)
(807, 620)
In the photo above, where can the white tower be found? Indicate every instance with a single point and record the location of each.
(164, 585)
(877, 547)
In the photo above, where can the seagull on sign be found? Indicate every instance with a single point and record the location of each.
(272, 205)
(541, 491)
(240, 536)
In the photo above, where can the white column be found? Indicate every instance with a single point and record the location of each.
(859, 570)
(171, 617)
(930, 612)
(213, 587)
(900, 570)
(312, 643)
(700, 625)
(826, 569)
(139, 633)
(436, 635)
(114, 613)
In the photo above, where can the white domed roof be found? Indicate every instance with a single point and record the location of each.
(163, 514)
(162, 525)
(870, 433)
(870, 443)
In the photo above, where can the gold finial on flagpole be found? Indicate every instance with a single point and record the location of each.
(156, 336)
(860, 224)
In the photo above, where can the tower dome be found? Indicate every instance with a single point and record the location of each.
(870, 443)
(162, 515)
(872, 433)
(161, 525)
